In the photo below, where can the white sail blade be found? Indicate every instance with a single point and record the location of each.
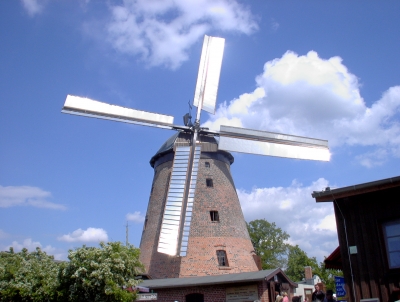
(209, 70)
(171, 221)
(87, 107)
(175, 226)
(273, 144)
(190, 202)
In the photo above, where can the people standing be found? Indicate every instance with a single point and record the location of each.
(318, 295)
(329, 296)
(285, 297)
(278, 297)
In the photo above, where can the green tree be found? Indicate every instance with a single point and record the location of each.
(328, 275)
(28, 276)
(297, 260)
(101, 274)
(269, 243)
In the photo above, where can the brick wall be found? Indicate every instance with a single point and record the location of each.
(308, 272)
(214, 293)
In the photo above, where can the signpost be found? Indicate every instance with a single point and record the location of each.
(146, 297)
(242, 293)
(341, 294)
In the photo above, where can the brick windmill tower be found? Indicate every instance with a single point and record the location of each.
(194, 224)
(218, 241)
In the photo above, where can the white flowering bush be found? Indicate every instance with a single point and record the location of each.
(28, 276)
(101, 274)
(91, 274)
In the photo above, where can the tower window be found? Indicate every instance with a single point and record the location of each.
(207, 164)
(214, 216)
(222, 259)
(209, 182)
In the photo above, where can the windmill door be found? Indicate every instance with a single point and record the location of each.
(195, 298)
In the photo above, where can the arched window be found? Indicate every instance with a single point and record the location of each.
(222, 259)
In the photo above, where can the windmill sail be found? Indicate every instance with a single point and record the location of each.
(273, 144)
(91, 108)
(205, 94)
(175, 227)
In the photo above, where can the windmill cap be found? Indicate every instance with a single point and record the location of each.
(209, 144)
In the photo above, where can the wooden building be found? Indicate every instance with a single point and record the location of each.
(368, 226)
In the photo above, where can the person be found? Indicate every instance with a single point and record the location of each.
(285, 297)
(278, 297)
(296, 298)
(318, 295)
(329, 296)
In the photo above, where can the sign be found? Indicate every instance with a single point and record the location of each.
(146, 297)
(341, 294)
(242, 293)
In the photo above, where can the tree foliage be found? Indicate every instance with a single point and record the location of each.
(91, 274)
(101, 274)
(297, 261)
(328, 275)
(269, 243)
(28, 276)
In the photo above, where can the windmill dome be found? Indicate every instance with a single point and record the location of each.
(208, 144)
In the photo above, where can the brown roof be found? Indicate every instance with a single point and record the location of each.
(216, 279)
(330, 195)
(334, 260)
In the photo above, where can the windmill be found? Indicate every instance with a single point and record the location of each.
(177, 214)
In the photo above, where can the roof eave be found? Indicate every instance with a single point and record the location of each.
(331, 195)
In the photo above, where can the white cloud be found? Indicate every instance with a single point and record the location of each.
(136, 217)
(310, 96)
(34, 7)
(371, 159)
(89, 235)
(310, 225)
(3, 234)
(11, 196)
(162, 31)
(274, 25)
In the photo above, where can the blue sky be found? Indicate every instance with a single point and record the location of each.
(324, 69)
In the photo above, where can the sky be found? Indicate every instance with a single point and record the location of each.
(322, 69)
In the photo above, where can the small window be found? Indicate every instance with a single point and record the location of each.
(209, 182)
(222, 260)
(214, 216)
(391, 231)
(207, 164)
(145, 224)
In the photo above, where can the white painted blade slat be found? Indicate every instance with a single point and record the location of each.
(189, 206)
(87, 107)
(209, 72)
(170, 226)
(243, 140)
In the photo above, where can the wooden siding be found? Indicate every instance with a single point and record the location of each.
(363, 215)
